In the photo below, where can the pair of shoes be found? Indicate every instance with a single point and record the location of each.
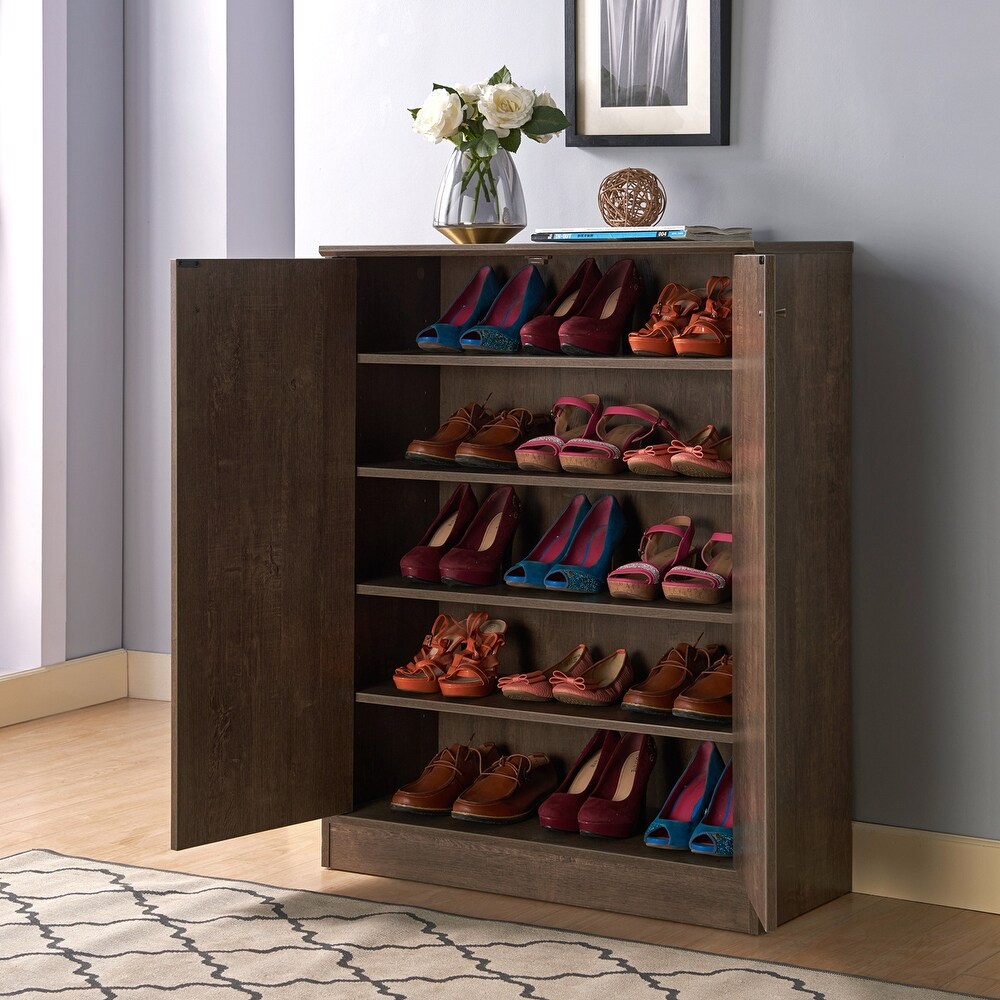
(604, 792)
(575, 552)
(698, 813)
(589, 439)
(675, 675)
(477, 784)
(473, 436)
(663, 546)
(709, 583)
(486, 318)
(576, 679)
(695, 323)
(456, 659)
(588, 314)
(467, 543)
(705, 455)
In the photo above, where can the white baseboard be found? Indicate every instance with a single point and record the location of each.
(63, 687)
(149, 675)
(927, 867)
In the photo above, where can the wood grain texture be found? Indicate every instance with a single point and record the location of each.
(811, 525)
(754, 607)
(263, 544)
(529, 861)
(628, 361)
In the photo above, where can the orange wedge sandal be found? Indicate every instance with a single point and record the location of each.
(473, 670)
(710, 585)
(620, 429)
(709, 332)
(437, 651)
(668, 318)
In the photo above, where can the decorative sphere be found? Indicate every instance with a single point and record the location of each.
(631, 197)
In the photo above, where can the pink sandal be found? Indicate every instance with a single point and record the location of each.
(619, 429)
(575, 417)
(710, 585)
(662, 547)
(657, 459)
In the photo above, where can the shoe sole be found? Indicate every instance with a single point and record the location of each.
(525, 697)
(538, 351)
(684, 713)
(472, 462)
(647, 710)
(444, 463)
(419, 811)
(450, 581)
(582, 352)
(697, 472)
(493, 821)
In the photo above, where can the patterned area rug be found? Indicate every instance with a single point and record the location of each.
(76, 928)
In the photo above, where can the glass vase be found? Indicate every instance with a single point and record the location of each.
(480, 201)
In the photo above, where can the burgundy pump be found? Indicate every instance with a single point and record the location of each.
(599, 326)
(541, 334)
(477, 559)
(617, 806)
(559, 811)
(422, 562)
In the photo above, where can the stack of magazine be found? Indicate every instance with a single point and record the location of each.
(637, 233)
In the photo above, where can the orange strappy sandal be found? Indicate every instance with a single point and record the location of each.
(668, 318)
(436, 653)
(709, 332)
(473, 670)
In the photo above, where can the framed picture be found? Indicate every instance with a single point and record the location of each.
(647, 72)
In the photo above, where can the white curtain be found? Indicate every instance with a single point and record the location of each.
(643, 53)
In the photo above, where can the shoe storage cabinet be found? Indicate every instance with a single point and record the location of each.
(297, 386)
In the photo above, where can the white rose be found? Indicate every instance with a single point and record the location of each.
(544, 100)
(439, 117)
(505, 106)
(471, 92)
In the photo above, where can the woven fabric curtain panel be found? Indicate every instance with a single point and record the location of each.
(643, 53)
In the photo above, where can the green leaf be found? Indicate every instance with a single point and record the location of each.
(451, 90)
(491, 141)
(502, 75)
(545, 120)
(512, 142)
(414, 111)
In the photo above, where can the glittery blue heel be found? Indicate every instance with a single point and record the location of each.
(499, 331)
(467, 309)
(584, 568)
(714, 834)
(687, 802)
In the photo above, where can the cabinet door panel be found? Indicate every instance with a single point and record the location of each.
(263, 544)
(753, 581)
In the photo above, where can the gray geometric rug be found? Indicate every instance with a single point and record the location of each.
(76, 928)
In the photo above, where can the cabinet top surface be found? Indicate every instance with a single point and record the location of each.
(602, 248)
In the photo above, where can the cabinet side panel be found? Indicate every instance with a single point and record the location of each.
(263, 550)
(812, 546)
(753, 582)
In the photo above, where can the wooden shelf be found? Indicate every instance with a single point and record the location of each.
(531, 832)
(562, 481)
(418, 357)
(552, 712)
(545, 600)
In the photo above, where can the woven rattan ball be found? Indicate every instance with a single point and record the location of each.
(631, 197)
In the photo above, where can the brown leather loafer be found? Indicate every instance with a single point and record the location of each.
(493, 446)
(675, 671)
(452, 771)
(510, 791)
(439, 449)
(710, 698)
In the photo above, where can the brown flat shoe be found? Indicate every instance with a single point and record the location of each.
(453, 770)
(510, 791)
(439, 449)
(710, 698)
(675, 671)
(493, 446)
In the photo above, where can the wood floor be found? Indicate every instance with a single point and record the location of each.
(96, 783)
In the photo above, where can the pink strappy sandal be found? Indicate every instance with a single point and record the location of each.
(710, 585)
(662, 547)
(575, 417)
(618, 430)
(657, 459)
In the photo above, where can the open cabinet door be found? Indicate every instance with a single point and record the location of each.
(754, 802)
(263, 544)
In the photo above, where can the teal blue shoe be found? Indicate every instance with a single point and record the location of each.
(714, 834)
(584, 567)
(688, 799)
(467, 309)
(531, 570)
(499, 332)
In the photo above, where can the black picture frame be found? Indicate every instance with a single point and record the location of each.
(720, 32)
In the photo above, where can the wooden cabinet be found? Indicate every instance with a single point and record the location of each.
(296, 389)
